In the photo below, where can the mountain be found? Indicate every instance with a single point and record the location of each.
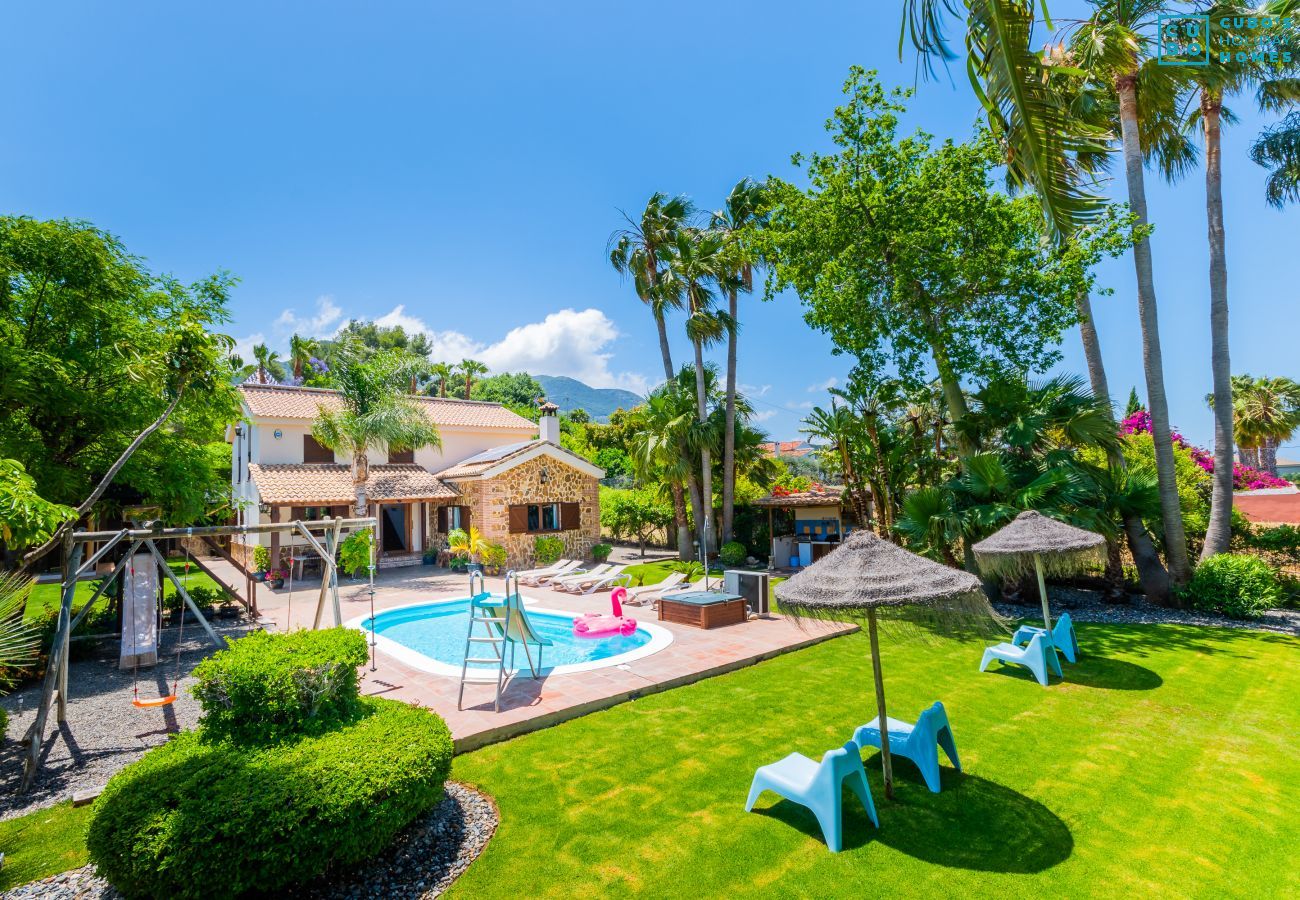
(570, 394)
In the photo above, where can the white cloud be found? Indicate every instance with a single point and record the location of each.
(244, 346)
(762, 415)
(823, 386)
(754, 390)
(323, 324)
(569, 342)
(807, 404)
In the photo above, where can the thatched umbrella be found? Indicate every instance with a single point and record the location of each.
(865, 574)
(1034, 541)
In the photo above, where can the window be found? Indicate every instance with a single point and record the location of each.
(401, 457)
(538, 518)
(452, 517)
(315, 513)
(314, 452)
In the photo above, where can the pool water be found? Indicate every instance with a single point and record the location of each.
(438, 630)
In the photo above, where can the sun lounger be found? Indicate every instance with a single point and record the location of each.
(920, 742)
(563, 582)
(818, 786)
(638, 596)
(593, 580)
(1034, 657)
(573, 567)
(615, 577)
(1063, 637)
(543, 571)
(683, 589)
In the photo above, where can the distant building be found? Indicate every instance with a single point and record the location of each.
(1286, 467)
(786, 448)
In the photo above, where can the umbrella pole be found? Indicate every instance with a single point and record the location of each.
(885, 762)
(1042, 594)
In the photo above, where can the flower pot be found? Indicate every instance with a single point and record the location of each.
(277, 583)
(259, 577)
(475, 567)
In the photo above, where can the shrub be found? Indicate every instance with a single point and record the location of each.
(354, 552)
(547, 548)
(4, 724)
(261, 558)
(267, 687)
(601, 552)
(494, 555)
(197, 818)
(1235, 585)
(733, 553)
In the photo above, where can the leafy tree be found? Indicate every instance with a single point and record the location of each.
(908, 258)
(517, 389)
(377, 412)
(1278, 150)
(1134, 404)
(26, 518)
(634, 515)
(580, 415)
(97, 355)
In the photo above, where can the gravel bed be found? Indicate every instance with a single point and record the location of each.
(1087, 606)
(422, 861)
(103, 731)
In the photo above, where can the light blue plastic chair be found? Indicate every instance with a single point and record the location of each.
(1033, 657)
(920, 742)
(1063, 637)
(818, 787)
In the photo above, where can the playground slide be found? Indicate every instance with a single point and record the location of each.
(140, 613)
(521, 627)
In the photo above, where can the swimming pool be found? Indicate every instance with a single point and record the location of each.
(431, 637)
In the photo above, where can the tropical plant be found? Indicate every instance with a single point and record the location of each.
(356, 553)
(741, 214)
(18, 641)
(659, 449)
(469, 545)
(440, 372)
(643, 250)
(469, 369)
(1265, 413)
(267, 365)
(376, 413)
(1278, 149)
(26, 517)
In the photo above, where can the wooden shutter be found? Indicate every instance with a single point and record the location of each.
(464, 518)
(401, 457)
(519, 520)
(313, 452)
(442, 520)
(570, 516)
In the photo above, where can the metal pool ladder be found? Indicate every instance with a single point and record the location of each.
(487, 614)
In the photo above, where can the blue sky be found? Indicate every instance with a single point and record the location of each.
(461, 168)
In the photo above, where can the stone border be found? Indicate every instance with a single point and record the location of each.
(422, 862)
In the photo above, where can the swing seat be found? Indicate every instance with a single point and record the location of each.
(150, 704)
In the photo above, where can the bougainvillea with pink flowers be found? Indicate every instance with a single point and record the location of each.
(1244, 478)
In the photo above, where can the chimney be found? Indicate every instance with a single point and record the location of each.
(548, 426)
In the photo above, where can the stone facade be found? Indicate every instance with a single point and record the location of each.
(490, 500)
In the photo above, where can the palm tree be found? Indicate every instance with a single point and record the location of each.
(19, 642)
(267, 365)
(1109, 47)
(699, 259)
(642, 250)
(656, 450)
(742, 212)
(376, 413)
(301, 350)
(1265, 413)
(836, 429)
(442, 373)
(469, 370)
(1278, 149)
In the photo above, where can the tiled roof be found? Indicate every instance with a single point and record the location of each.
(311, 483)
(490, 459)
(281, 402)
(827, 496)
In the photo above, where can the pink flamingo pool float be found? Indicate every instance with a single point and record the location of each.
(595, 625)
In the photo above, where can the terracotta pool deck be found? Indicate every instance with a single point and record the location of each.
(526, 704)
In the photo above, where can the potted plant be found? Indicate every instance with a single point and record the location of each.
(601, 552)
(469, 546)
(261, 562)
(494, 559)
(275, 577)
(354, 552)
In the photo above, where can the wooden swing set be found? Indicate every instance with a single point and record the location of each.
(54, 690)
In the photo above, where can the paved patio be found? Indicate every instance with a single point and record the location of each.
(526, 704)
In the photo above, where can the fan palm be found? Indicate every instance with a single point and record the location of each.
(441, 372)
(376, 413)
(18, 641)
(656, 451)
(742, 212)
(469, 370)
(1265, 412)
(1278, 149)
(301, 350)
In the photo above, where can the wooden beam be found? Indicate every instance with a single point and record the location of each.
(82, 537)
(89, 564)
(103, 585)
(329, 576)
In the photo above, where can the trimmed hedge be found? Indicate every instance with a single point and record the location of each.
(547, 548)
(733, 553)
(1236, 585)
(198, 818)
(267, 687)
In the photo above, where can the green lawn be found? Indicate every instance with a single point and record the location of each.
(44, 595)
(1164, 767)
(44, 843)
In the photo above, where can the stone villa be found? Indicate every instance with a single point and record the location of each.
(495, 470)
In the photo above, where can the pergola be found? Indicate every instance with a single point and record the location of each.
(54, 691)
(827, 499)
